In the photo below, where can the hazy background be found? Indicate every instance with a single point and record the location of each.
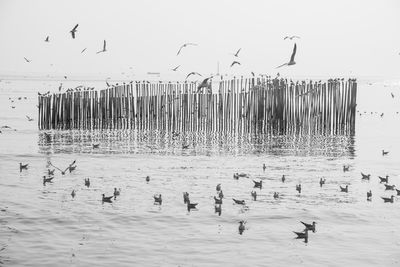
(338, 38)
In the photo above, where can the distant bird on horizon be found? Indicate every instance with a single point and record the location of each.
(344, 189)
(365, 176)
(47, 39)
(27, 60)
(23, 167)
(104, 48)
(73, 31)
(176, 68)
(291, 62)
(185, 45)
(291, 37)
(235, 62)
(237, 52)
(193, 73)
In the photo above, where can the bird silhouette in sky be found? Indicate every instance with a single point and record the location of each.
(183, 46)
(235, 62)
(291, 62)
(73, 31)
(104, 48)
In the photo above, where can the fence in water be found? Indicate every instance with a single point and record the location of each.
(237, 105)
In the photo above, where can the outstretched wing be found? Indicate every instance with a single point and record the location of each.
(293, 53)
(281, 65)
(76, 26)
(189, 75)
(73, 34)
(104, 45)
(237, 52)
(179, 51)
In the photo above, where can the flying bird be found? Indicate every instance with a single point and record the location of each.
(192, 73)
(176, 68)
(47, 39)
(237, 52)
(83, 50)
(104, 48)
(291, 62)
(235, 62)
(29, 118)
(27, 60)
(291, 37)
(73, 31)
(185, 45)
(204, 84)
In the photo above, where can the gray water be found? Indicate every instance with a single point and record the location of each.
(44, 226)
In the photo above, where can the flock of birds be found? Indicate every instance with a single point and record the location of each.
(219, 196)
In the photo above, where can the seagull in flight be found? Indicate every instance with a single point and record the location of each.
(47, 39)
(176, 68)
(73, 31)
(27, 60)
(192, 73)
(185, 45)
(291, 37)
(235, 62)
(104, 47)
(237, 52)
(291, 62)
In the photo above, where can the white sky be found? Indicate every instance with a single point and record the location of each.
(338, 38)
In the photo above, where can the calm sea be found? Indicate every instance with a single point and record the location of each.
(44, 226)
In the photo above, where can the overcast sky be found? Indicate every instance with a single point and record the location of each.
(352, 38)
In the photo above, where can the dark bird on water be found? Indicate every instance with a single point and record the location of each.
(87, 182)
(104, 48)
(309, 226)
(257, 184)
(321, 182)
(369, 195)
(241, 227)
(365, 176)
(264, 166)
(386, 199)
(47, 180)
(107, 199)
(291, 37)
(344, 189)
(235, 62)
(183, 46)
(50, 172)
(185, 197)
(73, 194)
(240, 202)
(389, 187)
(298, 188)
(291, 62)
(191, 206)
(116, 192)
(192, 73)
(73, 31)
(23, 166)
(283, 178)
(276, 195)
(346, 168)
(147, 178)
(254, 195)
(398, 192)
(384, 179)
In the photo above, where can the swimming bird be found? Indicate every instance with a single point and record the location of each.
(384, 179)
(47, 180)
(157, 199)
(346, 168)
(254, 195)
(192, 73)
(176, 68)
(264, 167)
(71, 168)
(235, 62)
(389, 187)
(298, 188)
(276, 195)
(218, 200)
(73, 193)
(218, 209)
(369, 195)
(398, 192)
(185, 197)
(365, 176)
(73, 31)
(321, 182)
(96, 145)
(104, 48)
(241, 227)
(344, 189)
(257, 184)
(385, 199)
(84, 49)
(309, 226)
(23, 167)
(240, 202)
(237, 52)
(283, 178)
(107, 199)
(221, 194)
(291, 37)
(302, 235)
(87, 182)
(116, 192)
(218, 187)
(185, 45)
(50, 172)
(291, 62)
(27, 60)
(191, 206)
(147, 178)
(384, 152)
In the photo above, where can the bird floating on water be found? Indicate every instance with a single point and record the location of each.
(242, 227)
(23, 167)
(276, 195)
(321, 182)
(47, 180)
(302, 235)
(365, 176)
(369, 195)
(107, 199)
(191, 206)
(257, 184)
(344, 189)
(298, 188)
(157, 199)
(264, 166)
(398, 192)
(384, 179)
(389, 187)
(283, 178)
(309, 226)
(254, 195)
(390, 200)
(185, 45)
(346, 168)
(147, 178)
(291, 62)
(87, 182)
(240, 202)
(73, 31)
(104, 48)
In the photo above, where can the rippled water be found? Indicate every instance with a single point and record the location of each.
(44, 226)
